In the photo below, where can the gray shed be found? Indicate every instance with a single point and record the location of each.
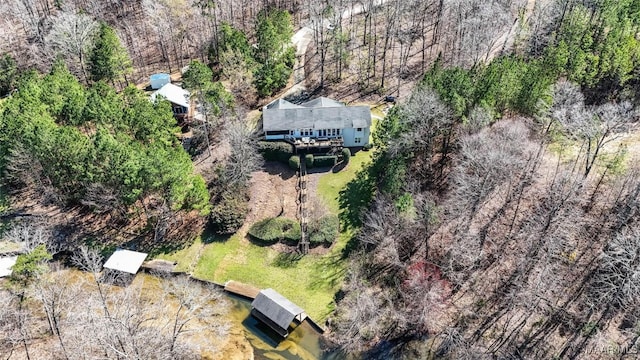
(276, 311)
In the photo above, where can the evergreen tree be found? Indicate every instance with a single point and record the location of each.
(274, 53)
(108, 60)
(8, 74)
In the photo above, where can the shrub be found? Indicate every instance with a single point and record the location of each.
(294, 162)
(325, 160)
(346, 155)
(323, 231)
(308, 159)
(229, 210)
(367, 147)
(272, 230)
(276, 150)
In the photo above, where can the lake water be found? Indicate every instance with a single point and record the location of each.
(303, 343)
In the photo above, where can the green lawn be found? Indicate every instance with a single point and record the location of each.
(330, 184)
(309, 281)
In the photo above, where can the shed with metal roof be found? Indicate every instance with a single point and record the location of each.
(125, 261)
(276, 311)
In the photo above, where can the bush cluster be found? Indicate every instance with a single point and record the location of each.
(308, 159)
(346, 155)
(323, 231)
(294, 162)
(324, 160)
(272, 230)
(276, 151)
(229, 208)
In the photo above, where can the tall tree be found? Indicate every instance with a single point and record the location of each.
(274, 52)
(108, 60)
(71, 36)
(8, 74)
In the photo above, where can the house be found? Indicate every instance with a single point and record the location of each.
(276, 311)
(159, 80)
(317, 120)
(125, 261)
(179, 98)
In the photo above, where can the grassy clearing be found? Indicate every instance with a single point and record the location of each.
(309, 281)
(329, 185)
(184, 257)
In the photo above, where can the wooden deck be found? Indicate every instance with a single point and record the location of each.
(159, 265)
(318, 144)
(241, 289)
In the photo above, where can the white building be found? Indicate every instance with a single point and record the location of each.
(319, 119)
(179, 98)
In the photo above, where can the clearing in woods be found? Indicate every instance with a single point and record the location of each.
(310, 281)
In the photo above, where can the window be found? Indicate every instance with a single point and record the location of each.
(339, 130)
(179, 110)
(359, 129)
(357, 140)
(291, 132)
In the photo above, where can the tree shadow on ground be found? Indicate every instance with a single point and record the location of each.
(286, 260)
(276, 168)
(210, 235)
(328, 272)
(353, 200)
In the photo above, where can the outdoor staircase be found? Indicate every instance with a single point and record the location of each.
(302, 206)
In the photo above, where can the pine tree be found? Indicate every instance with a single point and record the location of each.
(108, 60)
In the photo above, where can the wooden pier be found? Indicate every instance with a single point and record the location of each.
(240, 289)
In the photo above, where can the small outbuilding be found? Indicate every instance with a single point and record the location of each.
(6, 264)
(276, 311)
(179, 98)
(125, 261)
(159, 80)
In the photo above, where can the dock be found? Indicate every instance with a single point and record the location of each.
(244, 290)
(159, 265)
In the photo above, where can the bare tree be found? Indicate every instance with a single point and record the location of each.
(59, 298)
(199, 308)
(617, 279)
(474, 29)
(428, 121)
(71, 36)
(244, 157)
(594, 127)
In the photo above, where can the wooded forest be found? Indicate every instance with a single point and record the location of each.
(496, 219)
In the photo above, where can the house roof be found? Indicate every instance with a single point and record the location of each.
(323, 102)
(5, 265)
(321, 113)
(275, 307)
(281, 104)
(174, 94)
(125, 261)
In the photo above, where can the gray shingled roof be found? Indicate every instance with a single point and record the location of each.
(323, 102)
(322, 113)
(276, 308)
(282, 104)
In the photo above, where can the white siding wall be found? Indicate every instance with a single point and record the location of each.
(355, 138)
